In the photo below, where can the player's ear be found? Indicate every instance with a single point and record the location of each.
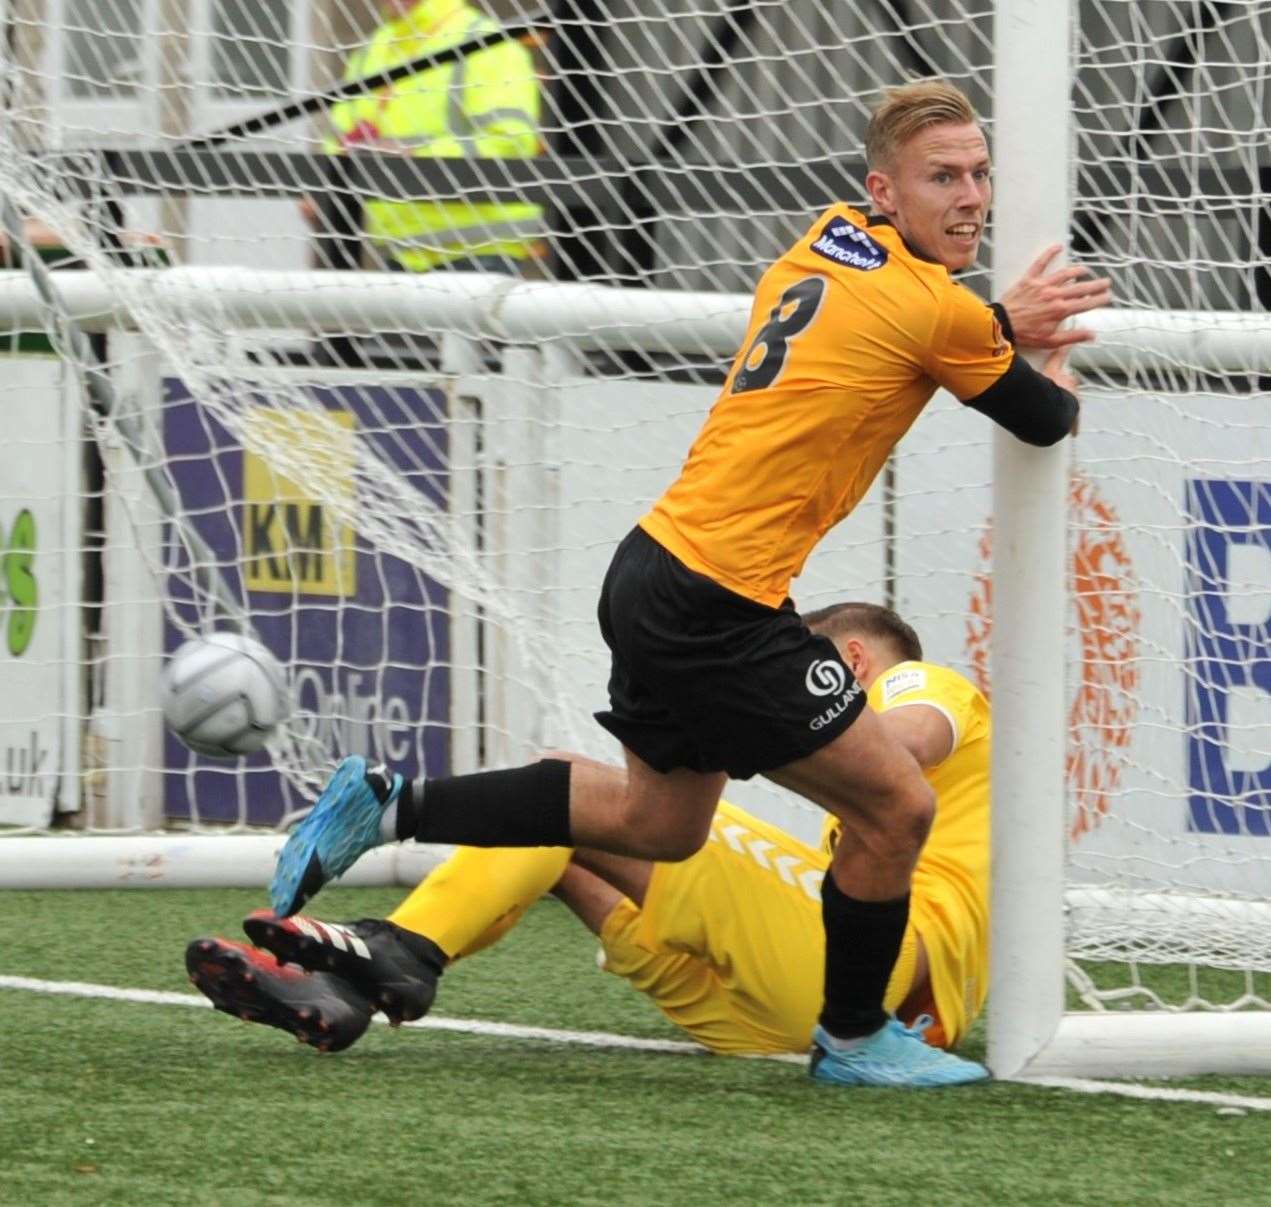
(881, 192)
(854, 653)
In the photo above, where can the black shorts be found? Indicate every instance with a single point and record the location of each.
(706, 679)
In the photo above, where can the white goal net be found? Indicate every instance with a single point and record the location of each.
(382, 378)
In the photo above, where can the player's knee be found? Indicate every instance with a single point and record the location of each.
(901, 829)
(677, 848)
(652, 838)
(667, 846)
(914, 814)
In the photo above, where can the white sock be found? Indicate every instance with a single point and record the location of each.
(836, 1043)
(388, 823)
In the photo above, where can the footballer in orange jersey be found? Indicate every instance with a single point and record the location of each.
(713, 672)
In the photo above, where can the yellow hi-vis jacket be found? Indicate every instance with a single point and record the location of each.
(485, 105)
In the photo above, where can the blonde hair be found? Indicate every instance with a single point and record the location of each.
(905, 110)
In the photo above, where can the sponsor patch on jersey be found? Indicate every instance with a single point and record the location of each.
(899, 682)
(1000, 345)
(850, 246)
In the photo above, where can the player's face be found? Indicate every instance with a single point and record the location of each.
(937, 192)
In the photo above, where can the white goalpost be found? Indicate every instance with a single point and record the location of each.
(1027, 981)
(1031, 1031)
(408, 485)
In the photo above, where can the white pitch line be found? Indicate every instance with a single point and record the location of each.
(604, 1039)
(467, 1026)
(1149, 1093)
(151, 997)
(592, 1039)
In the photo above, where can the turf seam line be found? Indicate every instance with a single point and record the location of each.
(605, 1039)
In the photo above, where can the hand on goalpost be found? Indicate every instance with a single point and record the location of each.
(1040, 301)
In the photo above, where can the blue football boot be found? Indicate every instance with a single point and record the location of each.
(338, 830)
(895, 1056)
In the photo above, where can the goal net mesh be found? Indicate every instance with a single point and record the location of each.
(239, 399)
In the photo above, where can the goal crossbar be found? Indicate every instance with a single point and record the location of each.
(585, 317)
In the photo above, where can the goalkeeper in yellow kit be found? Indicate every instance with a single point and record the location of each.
(728, 944)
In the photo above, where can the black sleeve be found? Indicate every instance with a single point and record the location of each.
(1004, 319)
(1028, 405)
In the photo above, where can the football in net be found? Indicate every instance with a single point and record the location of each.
(224, 695)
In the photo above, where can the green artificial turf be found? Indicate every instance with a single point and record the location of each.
(113, 1102)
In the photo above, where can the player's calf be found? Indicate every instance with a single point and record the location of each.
(395, 970)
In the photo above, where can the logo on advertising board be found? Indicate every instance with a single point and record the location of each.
(1104, 703)
(19, 592)
(290, 540)
(1228, 649)
(365, 633)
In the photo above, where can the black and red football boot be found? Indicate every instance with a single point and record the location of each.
(318, 1009)
(394, 969)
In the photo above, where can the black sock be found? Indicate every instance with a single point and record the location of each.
(422, 948)
(862, 941)
(524, 807)
(380, 779)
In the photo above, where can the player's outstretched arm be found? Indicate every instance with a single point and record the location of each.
(1039, 408)
(1041, 300)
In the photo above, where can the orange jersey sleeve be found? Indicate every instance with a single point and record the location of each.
(970, 351)
(849, 335)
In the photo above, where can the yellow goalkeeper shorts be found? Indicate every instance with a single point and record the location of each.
(729, 944)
